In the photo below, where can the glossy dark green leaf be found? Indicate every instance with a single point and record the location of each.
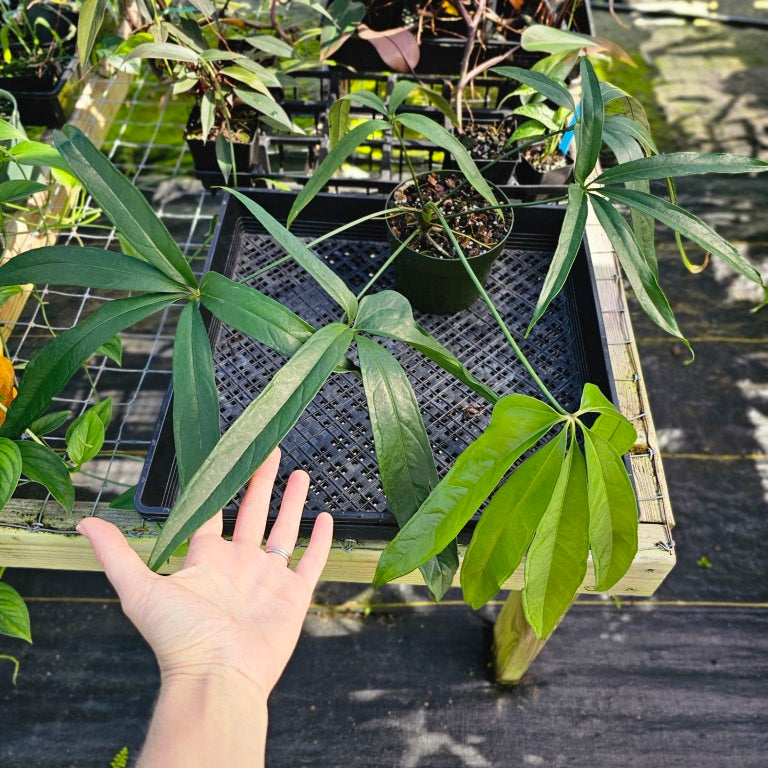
(634, 129)
(86, 438)
(87, 267)
(389, 314)
(53, 366)
(548, 87)
(589, 126)
(557, 560)
(343, 148)
(612, 512)
(19, 189)
(48, 423)
(568, 246)
(367, 99)
(42, 465)
(10, 469)
(257, 431)
(400, 92)
(518, 422)
(126, 500)
(124, 205)
(14, 616)
(89, 23)
(254, 313)
(406, 465)
(438, 135)
(642, 279)
(320, 272)
(680, 164)
(437, 100)
(195, 399)
(687, 225)
(508, 523)
(113, 349)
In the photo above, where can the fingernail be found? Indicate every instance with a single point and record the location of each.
(80, 528)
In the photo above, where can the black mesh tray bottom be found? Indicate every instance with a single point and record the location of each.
(333, 439)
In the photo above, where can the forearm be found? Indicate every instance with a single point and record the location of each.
(218, 718)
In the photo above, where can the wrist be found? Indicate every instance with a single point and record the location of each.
(210, 679)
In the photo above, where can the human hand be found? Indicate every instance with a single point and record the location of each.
(232, 607)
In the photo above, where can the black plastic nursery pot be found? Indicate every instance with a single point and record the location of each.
(204, 155)
(527, 174)
(332, 439)
(437, 285)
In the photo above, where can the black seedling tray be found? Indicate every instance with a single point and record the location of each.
(333, 440)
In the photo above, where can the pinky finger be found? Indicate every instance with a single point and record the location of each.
(313, 561)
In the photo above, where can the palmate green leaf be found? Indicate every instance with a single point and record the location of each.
(48, 423)
(14, 616)
(389, 314)
(86, 438)
(53, 366)
(254, 313)
(508, 523)
(88, 25)
(343, 148)
(557, 560)
(518, 422)
(589, 127)
(10, 469)
(640, 276)
(124, 205)
(680, 164)
(323, 275)
(568, 246)
(611, 425)
(686, 224)
(438, 135)
(42, 465)
(406, 465)
(548, 87)
(195, 399)
(19, 189)
(253, 436)
(88, 267)
(612, 512)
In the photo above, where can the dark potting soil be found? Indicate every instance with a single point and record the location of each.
(243, 122)
(476, 230)
(544, 163)
(486, 141)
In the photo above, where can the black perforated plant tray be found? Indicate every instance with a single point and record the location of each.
(333, 440)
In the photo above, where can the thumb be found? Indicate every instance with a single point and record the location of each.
(124, 568)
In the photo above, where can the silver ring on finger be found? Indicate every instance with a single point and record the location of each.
(281, 552)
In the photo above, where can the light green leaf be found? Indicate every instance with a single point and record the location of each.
(343, 148)
(508, 523)
(195, 399)
(518, 422)
(223, 151)
(568, 245)
(85, 437)
(42, 465)
(37, 153)
(612, 512)
(338, 121)
(437, 100)
(547, 86)
(557, 560)
(367, 99)
(271, 45)
(48, 423)
(124, 205)
(243, 75)
(438, 135)
(19, 189)
(254, 313)
(257, 431)
(271, 112)
(642, 279)
(87, 267)
(325, 277)
(406, 465)
(589, 127)
(207, 115)
(112, 348)
(687, 225)
(167, 51)
(9, 132)
(546, 39)
(539, 112)
(389, 314)
(53, 366)
(10, 469)
(88, 25)
(14, 615)
(611, 424)
(7, 292)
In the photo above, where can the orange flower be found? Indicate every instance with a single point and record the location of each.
(7, 388)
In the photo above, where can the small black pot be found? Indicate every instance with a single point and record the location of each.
(440, 286)
(526, 174)
(204, 155)
(496, 171)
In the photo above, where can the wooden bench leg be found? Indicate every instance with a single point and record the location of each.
(515, 644)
